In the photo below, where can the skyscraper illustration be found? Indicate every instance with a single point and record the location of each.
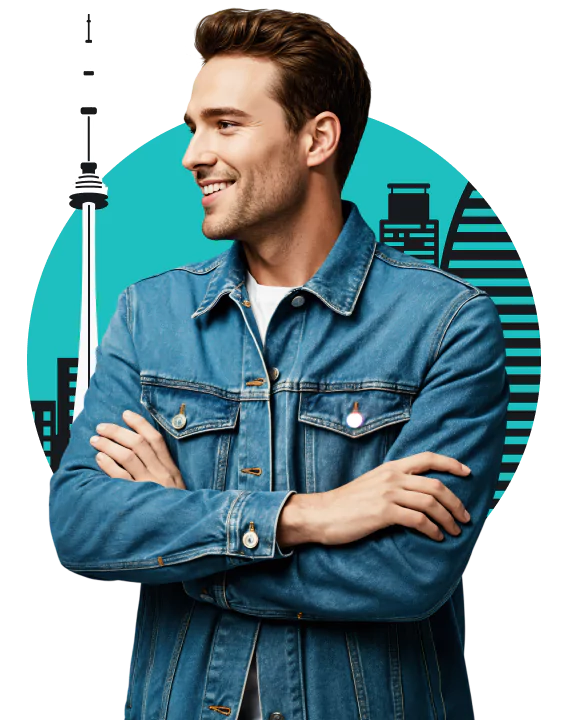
(409, 227)
(88, 194)
(53, 418)
(44, 418)
(479, 250)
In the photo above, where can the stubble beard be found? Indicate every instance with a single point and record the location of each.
(264, 203)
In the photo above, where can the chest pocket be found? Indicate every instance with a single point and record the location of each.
(199, 429)
(348, 433)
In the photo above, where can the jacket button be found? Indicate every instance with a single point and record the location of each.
(179, 421)
(298, 300)
(274, 373)
(276, 716)
(250, 539)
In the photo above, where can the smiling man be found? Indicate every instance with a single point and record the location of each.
(272, 188)
(312, 408)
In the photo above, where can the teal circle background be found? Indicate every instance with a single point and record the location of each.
(153, 223)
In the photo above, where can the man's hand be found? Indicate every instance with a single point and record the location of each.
(140, 454)
(390, 494)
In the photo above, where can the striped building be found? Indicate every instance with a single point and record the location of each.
(479, 250)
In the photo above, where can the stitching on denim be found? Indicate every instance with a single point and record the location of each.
(212, 648)
(153, 643)
(399, 670)
(251, 656)
(144, 564)
(357, 675)
(289, 385)
(176, 652)
(419, 630)
(328, 424)
(301, 665)
(223, 450)
(194, 429)
(394, 666)
(229, 519)
(471, 297)
(140, 622)
(438, 666)
(416, 266)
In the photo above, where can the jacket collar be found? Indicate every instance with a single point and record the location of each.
(337, 282)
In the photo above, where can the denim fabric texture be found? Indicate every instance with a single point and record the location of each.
(370, 630)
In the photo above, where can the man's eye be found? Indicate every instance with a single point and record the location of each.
(219, 122)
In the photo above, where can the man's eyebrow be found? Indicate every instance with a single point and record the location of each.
(216, 112)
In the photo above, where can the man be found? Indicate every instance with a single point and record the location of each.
(303, 405)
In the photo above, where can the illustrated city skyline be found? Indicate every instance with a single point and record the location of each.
(477, 249)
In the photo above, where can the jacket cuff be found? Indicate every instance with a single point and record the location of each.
(263, 509)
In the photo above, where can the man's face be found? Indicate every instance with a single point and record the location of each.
(255, 150)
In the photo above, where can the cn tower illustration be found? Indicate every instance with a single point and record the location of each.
(89, 196)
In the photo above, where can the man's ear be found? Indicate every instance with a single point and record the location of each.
(323, 133)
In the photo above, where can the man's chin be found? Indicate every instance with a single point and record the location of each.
(215, 231)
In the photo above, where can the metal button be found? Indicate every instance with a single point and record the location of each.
(276, 716)
(355, 419)
(250, 538)
(274, 373)
(298, 300)
(179, 421)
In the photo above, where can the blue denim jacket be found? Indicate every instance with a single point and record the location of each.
(370, 630)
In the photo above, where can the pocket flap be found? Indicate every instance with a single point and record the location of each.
(335, 410)
(203, 411)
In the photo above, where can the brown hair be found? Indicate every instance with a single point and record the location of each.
(319, 69)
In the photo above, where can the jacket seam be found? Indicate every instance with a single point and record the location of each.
(455, 313)
(437, 665)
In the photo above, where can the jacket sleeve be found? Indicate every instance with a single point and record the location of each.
(398, 573)
(114, 529)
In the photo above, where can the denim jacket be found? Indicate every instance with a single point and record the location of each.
(369, 630)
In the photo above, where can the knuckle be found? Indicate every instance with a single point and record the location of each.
(431, 502)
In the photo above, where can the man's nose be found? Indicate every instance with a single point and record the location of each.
(197, 154)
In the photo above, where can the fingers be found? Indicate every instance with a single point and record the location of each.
(440, 493)
(154, 438)
(425, 461)
(108, 466)
(127, 446)
(427, 505)
(417, 520)
(123, 456)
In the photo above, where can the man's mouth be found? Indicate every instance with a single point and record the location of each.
(210, 192)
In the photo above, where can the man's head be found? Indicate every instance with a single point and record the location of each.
(302, 98)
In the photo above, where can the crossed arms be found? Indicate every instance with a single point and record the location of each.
(380, 564)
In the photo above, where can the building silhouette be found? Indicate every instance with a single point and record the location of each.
(52, 418)
(479, 250)
(409, 227)
(44, 418)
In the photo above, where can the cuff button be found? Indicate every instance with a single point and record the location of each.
(250, 539)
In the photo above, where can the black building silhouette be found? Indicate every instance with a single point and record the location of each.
(53, 419)
(409, 227)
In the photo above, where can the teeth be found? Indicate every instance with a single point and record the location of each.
(208, 189)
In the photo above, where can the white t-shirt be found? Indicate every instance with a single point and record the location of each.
(264, 300)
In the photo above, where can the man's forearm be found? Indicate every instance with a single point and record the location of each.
(298, 521)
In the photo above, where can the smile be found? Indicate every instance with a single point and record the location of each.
(208, 199)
